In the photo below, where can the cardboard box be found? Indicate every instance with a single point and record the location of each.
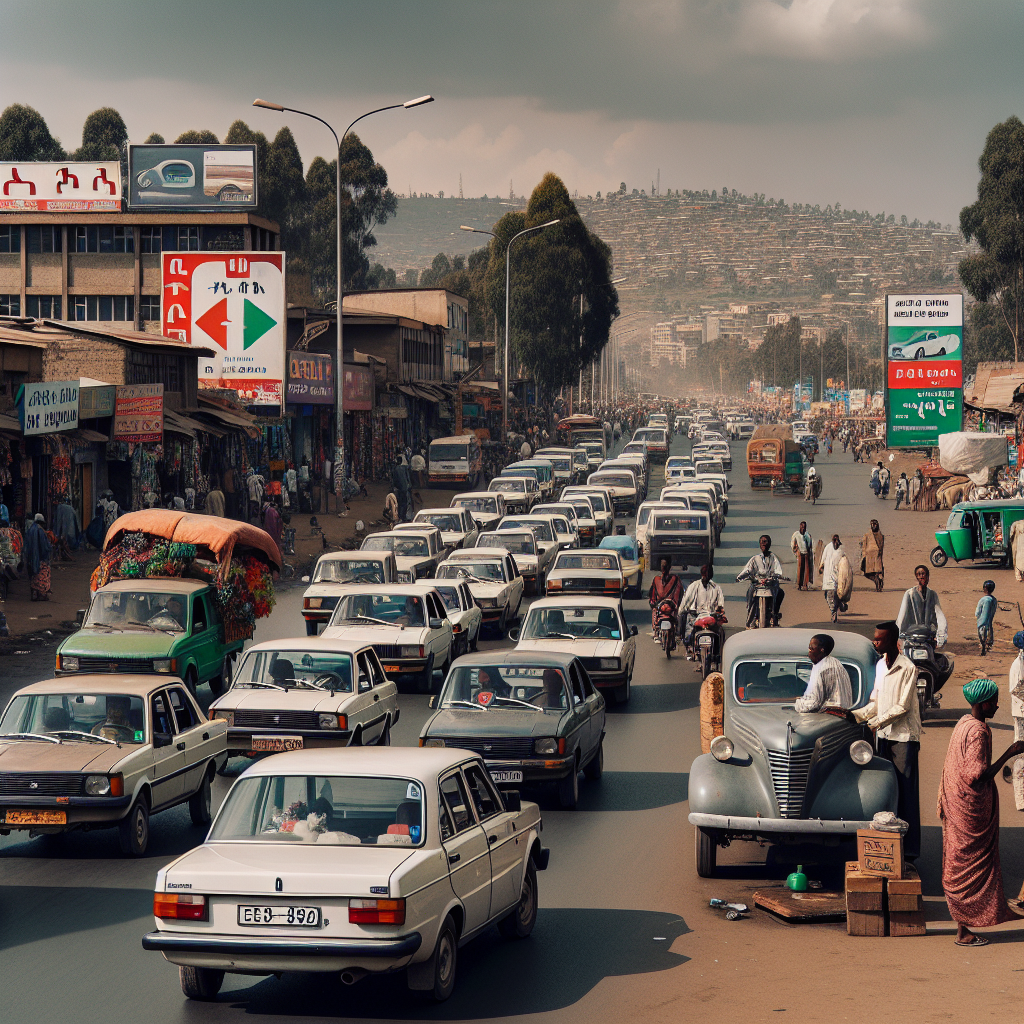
(906, 904)
(865, 902)
(880, 853)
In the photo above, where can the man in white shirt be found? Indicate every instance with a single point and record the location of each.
(765, 564)
(829, 682)
(803, 547)
(831, 557)
(702, 597)
(893, 713)
(525, 451)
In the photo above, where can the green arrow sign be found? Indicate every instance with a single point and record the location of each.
(256, 323)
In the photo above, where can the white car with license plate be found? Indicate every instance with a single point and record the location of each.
(623, 486)
(309, 693)
(590, 571)
(405, 623)
(521, 493)
(457, 525)
(463, 612)
(358, 862)
(494, 579)
(564, 519)
(586, 518)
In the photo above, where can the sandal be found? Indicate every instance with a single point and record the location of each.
(978, 940)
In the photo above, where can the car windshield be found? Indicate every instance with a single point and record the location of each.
(349, 570)
(392, 609)
(635, 447)
(540, 527)
(411, 547)
(595, 561)
(656, 436)
(477, 504)
(506, 687)
(337, 810)
(380, 542)
(587, 623)
(509, 485)
(74, 717)
(561, 509)
(449, 452)
(442, 520)
(560, 463)
(598, 502)
(614, 480)
(132, 609)
(450, 596)
(781, 681)
(517, 543)
(329, 670)
(582, 509)
(489, 572)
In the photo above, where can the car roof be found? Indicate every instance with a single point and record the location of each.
(511, 656)
(413, 589)
(313, 644)
(135, 685)
(576, 600)
(359, 554)
(473, 494)
(447, 511)
(424, 763)
(476, 554)
(988, 506)
(165, 585)
(763, 643)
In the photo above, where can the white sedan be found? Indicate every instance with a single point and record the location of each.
(351, 863)
(294, 694)
(593, 571)
(926, 344)
(494, 579)
(463, 612)
(458, 527)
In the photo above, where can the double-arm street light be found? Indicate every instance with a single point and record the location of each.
(508, 250)
(339, 376)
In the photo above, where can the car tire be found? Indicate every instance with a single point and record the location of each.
(200, 983)
(425, 682)
(595, 769)
(133, 829)
(200, 803)
(919, 354)
(218, 684)
(569, 789)
(938, 557)
(502, 622)
(476, 639)
(385, 736)
(519, 924)
(441, 966)
(705, 851)
(191, 681)
(621, 694)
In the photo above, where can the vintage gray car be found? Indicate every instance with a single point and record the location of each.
(778, 775)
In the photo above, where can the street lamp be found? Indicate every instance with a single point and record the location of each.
(339, 401)
(508, 250)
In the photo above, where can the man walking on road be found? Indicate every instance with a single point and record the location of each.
(871, 547)
(883, 479)
(902, 491)
(802, 546)
(831, 558)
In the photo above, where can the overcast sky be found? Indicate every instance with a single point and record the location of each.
(876, 104)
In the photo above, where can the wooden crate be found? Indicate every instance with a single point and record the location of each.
(865, 902)
(880, 853)
(906, 904)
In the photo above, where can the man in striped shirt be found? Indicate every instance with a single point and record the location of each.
(829, 682)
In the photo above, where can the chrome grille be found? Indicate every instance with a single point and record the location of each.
(41, 784)
(114, 664)
(838, 741)
(388, 650)
(495, 748)
(789, 777)
(249, 719)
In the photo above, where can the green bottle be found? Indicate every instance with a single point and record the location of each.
(797, 881)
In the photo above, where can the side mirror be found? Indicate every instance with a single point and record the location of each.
(436, 623)
(513, 801)
(513, 635)
(162, 739)
(633, 631)
(432, 702)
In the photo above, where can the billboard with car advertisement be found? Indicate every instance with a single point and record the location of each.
(234, 303)
(178, 177)
(924, 368)
(63, 187)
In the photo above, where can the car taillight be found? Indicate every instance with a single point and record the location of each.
(179, 906)
(613, 584)
(376, 911)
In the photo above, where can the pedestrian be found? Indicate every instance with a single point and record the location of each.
(418, 465)
(875, 481)
(230, 493)
(902, 491)
(401, 480)
(894, 714)
(884, 477)
(968, 808)
(985, 614)
(1016, 686)
(216, 504)
(291, 487)
(272, 523)
(525, 451)
(802, 546)
(916, 487)
(38, 551)
(391, 509)
(872, 546)
(831, 569)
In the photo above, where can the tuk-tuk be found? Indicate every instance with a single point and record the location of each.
(778, 460)
(978, 530)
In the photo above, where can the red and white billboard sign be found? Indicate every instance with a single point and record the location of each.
(61, 187)
(233, 302)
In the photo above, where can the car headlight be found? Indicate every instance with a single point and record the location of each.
(609, 663)
(487, 602)
(861, 752)
(333, 721)
(165, 665)
(68, 663)
(722, 748)
(104, 785)
(432, 742)
(546, 745)
(225, 716)
(314, 602)
(404, 576)
(410, 652)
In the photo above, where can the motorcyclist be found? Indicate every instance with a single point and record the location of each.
(921, 607)
(702, 597)
(764, 564)
(665, 587)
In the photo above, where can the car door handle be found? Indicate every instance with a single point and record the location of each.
(491, 840)
(454, 858)
(206, 735)
(181, 746)
(376, 696)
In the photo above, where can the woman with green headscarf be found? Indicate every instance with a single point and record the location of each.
(969, 811)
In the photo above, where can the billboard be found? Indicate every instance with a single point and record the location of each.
(233, 302)
(61, 187)
(49, 407)
(924, 368)
(310, 378)
(192, 177)
(357, 388)
(139, 413)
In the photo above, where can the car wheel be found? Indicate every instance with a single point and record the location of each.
(202, 983)
(133, 829)
(520, 922)
(919, 354)
(502, 622)
(385, 736)
(475, 640)
(942, 351)
(191, 681)
(621, 694)
(200, 803)
(310, 628)
(705, 852)
(569, 790)
(441, 966)
(595, 769)
(938, 557)
(222, 682)
(425, 683)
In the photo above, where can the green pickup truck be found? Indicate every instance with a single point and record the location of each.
(170, 626)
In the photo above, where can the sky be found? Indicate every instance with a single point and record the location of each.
(874, 104)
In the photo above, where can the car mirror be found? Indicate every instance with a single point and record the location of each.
(513, 801)
(513, 635)
(436, 623)
(162, 739)
(432, 703)
(633, 631)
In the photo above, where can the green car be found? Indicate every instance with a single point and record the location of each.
(978, 530)
(170, 626)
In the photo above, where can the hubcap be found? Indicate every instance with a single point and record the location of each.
(444, 960)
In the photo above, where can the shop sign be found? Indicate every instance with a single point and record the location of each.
(96, 402)
(139, 413)
(358, 389)
(310, 378)
(178, 177)
(61, 187)
(917, 417)
(233, 302)
(48, 408)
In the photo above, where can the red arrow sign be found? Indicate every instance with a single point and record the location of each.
(215, 322)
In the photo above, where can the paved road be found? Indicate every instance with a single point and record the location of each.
(624, 928)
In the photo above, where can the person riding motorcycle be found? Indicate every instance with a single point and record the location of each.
(921, 607)
(764, 564)
(665, 587)
(702, 597)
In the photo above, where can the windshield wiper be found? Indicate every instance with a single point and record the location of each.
(99, 625)
(368, 618)
(86, 736)
(521, 703)
(27, 736)
(262, 683)
(548, 636)
(464, 704)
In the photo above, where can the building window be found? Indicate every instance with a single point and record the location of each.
(102, 307)
(151, 239)
(149, 307)
(104, 238)
(43, 306)
(87, 239)
(10, 305)
(188, 239)
(10, 238)
(44, 238)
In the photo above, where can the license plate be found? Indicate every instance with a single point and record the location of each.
(277, 743)
(705, 641)
(665, 627)
(296, 917)
(36, 817)
(392, 668)
(506, 776)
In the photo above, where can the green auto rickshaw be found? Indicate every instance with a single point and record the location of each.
(978, 530)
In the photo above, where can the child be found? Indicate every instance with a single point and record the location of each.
(985, 613)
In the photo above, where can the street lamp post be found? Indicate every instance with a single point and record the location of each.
(339, 377)
(508, 251)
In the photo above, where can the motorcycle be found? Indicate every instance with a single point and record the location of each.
(765, 586)
(666, 627)
(706, 642)
(933, 668)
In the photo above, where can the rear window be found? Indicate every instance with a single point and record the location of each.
(508, 485)
(517, 543)
(587, 562)
(448, 452)
(614, 480)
